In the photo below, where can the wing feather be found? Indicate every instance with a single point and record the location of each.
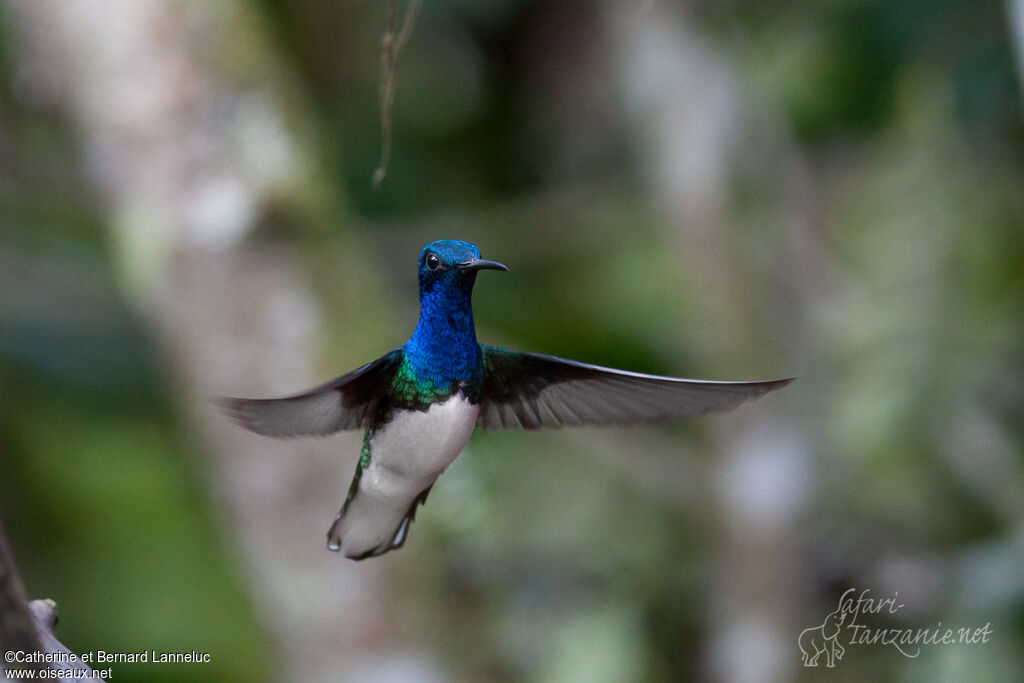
(348, 402)
(531, 390)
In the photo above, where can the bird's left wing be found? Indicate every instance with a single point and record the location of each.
(531, 390)
(347, 402)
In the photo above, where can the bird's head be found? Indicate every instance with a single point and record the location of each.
(451, 266)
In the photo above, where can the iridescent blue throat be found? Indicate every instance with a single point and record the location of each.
(443, 349)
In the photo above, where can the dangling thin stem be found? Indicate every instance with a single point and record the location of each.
(391, 48)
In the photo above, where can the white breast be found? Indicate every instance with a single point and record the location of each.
(416, 446)
(406, 456)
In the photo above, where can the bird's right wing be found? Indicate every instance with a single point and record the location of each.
(347, 402)
(530, 390)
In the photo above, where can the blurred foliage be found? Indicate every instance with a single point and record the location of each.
(99, 494)
(537, 559)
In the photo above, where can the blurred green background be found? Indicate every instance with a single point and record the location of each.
(730, 190)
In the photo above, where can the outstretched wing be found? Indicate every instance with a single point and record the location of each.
(531, 390)
(348, 402)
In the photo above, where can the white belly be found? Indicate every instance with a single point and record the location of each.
(406, 456)
(415, 447)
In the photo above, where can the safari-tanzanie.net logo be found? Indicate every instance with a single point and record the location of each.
(826, 643)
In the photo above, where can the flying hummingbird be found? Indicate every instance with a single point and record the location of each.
(420, 402)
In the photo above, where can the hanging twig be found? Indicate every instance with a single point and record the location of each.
(391, 48)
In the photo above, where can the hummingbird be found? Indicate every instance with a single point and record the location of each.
(420, 402)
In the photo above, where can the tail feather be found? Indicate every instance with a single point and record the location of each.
(363, 528)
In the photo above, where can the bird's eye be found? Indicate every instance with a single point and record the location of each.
(433, 263)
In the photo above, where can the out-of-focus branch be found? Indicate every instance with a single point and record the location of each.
(17, 630)
(27, 627)
(44, 617)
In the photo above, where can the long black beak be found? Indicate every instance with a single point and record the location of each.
(482, 264)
